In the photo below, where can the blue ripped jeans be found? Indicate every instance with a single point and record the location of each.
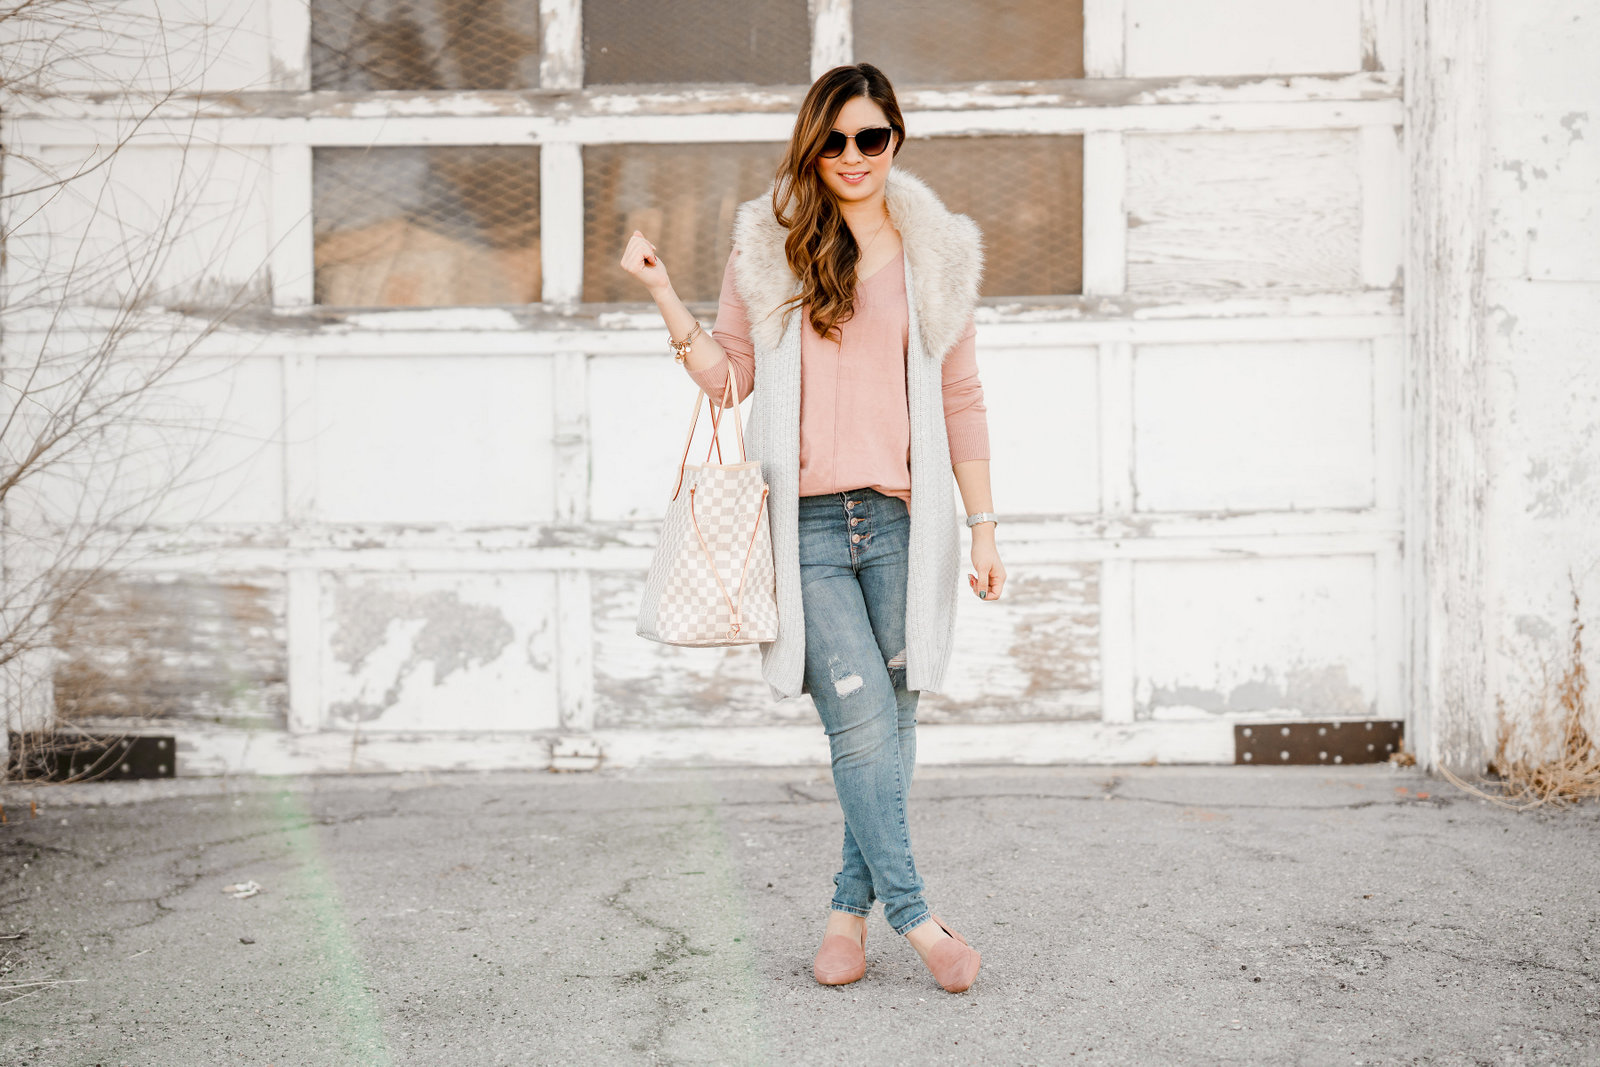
(854, 555)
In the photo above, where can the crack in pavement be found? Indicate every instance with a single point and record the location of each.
(675, 951)
(24, 842)
(282, 826)
(177, 882)
(1481, 960)
(801, 795)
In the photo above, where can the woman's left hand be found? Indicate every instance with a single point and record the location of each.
(991, 573)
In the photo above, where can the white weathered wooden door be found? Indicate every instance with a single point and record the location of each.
(1190, 342)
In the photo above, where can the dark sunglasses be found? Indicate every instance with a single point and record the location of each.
(872, 141)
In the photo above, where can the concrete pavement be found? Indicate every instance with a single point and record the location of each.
(1135, 915)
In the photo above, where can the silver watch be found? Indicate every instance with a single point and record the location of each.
(982, 516)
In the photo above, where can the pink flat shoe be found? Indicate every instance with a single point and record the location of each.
(954, 963)
(840, 960)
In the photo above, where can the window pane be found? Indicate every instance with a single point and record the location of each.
(767, 42)
(681, 196)
(366, 45)
(426, 227)
(970, 40)
(1032, 220)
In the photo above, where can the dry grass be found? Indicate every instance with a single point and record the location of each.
(1549, 757)
(60, 757)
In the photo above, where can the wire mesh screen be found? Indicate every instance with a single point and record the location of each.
(365, 45)
(970, 40)
(422, 227)
(1032, 221)
(681, 196)
(766, 42)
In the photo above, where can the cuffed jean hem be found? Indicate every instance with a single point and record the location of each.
(912, 924)
(851, 909)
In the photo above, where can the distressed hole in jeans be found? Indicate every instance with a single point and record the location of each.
(899, 660)
(845, 686)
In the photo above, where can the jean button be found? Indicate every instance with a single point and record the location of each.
(854, 519)
(855, 537)
(849, 504)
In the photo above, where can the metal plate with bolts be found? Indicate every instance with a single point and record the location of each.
(65, 756)
(1288, 743)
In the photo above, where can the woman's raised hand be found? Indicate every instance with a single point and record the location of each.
(640, 260)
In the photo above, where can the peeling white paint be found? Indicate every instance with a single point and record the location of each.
(1222, 521)
(439, 650)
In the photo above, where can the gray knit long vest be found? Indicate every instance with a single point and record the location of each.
(943, 266)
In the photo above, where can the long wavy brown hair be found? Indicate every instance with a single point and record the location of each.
(821, 250)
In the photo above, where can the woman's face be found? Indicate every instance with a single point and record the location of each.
(850, 175)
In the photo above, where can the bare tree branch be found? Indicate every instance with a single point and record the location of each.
(93, 447)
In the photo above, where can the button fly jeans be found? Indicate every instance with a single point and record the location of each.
(854, 558)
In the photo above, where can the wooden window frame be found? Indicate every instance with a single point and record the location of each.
(561, 117)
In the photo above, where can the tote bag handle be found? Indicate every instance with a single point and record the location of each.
(729, 402)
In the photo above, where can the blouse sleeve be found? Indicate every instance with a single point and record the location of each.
(966, 421)
(732, 332)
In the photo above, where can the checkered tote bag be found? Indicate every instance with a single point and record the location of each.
(712, 581)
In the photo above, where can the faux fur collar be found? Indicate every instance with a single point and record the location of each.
(943, 250)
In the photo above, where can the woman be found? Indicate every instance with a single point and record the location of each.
(851, 286)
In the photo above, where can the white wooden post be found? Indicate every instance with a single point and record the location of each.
(561, 251)
(1447, 391)
(291, 263)
(1382, 34)
(561, 221)
(291, 260)
(303, 592)
(1114, 373)
(832, 36)
(1103, 38)
(1105, 217)
(289, 23)
(1383, 204)
(1105, 273)
(561, 44)
(575, 615)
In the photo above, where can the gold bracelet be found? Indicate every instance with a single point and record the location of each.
(680, 349)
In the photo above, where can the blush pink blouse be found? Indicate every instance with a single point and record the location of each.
(855, 426)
